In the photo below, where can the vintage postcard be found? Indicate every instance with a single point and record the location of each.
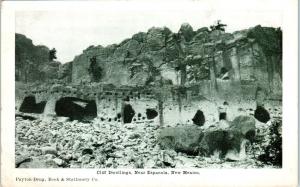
(149, 93)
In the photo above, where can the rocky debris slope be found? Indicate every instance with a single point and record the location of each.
(72, 144)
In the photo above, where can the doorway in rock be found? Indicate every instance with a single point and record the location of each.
(261, 114)
(29, 105)
(151, 113)
(199, 118)
(128, 113)
(223, 116)
(76, 109)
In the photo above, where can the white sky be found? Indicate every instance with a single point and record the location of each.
(108, 22)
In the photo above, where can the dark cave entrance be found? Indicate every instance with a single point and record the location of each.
(76, 109)
(151, 113)
(261, 114)
(199, 118)
(128, 113)
(29, 105)
(222, 116)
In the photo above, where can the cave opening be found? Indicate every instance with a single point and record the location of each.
(222, 116)
(128, 113)
(261, 114)
(151, 113)
(76, 109)
(29, 105)
(199, 118)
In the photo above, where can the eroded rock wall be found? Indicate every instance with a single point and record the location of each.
(247, 57)
(32, 62)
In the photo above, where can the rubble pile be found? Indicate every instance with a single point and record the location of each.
(73, 144)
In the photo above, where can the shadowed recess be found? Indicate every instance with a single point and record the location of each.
(199, 118)
(223, 116)
(128, 113)
(76, 109)
(29, 105)
(261, 114)
(151, 113)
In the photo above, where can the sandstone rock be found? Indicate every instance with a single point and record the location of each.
(49, 156)
(245, 125)
(75, 165)
(161, 46)
(220, 141)
(85, 159)
(76, 144)
(134, 136)
(150, 164)
(128, 50)
(21, 159)
(139, 163)
(155, 38)
(237, 154)
(67, 157)
(51, 70)
(187, 31)
(109, 162)
(223, 124)
(63, 119)
(140, 37)
(167, 160)
(38, 164)
(183, 139)
(184, 162)
(49, 150)
(58, 161)
(38, 55)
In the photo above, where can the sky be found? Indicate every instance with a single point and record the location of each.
(72, 30)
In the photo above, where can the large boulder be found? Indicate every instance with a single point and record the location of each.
(155, 38)
(222, 143)
(181, 139)
(38, 164)
(129, 49)
(244, 125)
(225, 143)
(187, 31)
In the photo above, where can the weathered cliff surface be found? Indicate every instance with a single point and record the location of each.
(32, 62)
(211, 62)
(252, 56)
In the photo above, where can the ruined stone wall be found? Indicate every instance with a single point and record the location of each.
(169, 105)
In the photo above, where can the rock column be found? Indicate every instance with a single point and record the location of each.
(235, 65)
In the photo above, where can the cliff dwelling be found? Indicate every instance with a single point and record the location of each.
(190, 95)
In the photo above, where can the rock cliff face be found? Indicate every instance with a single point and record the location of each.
(190, 65)
(251, 56)
(215, 59)
(32, 62)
